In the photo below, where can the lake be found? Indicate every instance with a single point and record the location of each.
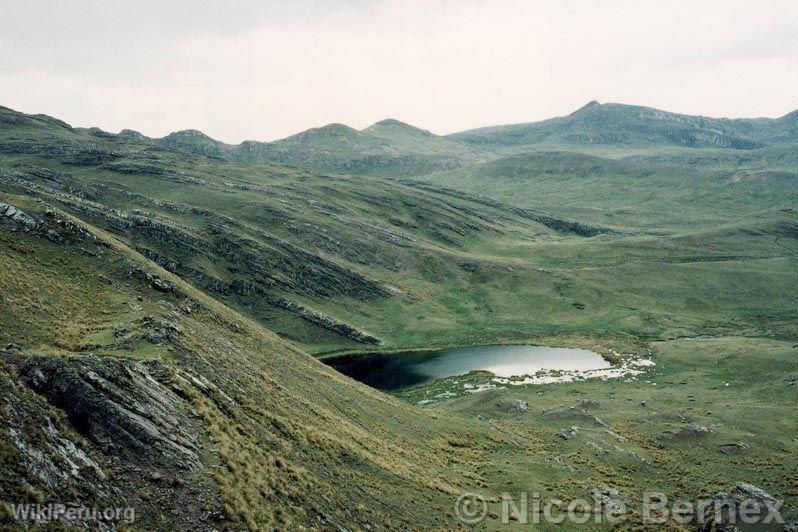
(394, 372)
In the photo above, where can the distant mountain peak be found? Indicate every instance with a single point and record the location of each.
(195, 141)
(391, 122)
(334, 126)
(394, 124)
(10, 116)
(616, 124)
(95, 132)
(330, 130)
(592, 104)
(188, 134)
(132, 134)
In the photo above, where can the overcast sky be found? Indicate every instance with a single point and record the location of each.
(265, 70)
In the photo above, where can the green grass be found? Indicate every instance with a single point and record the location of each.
(273, 447)
(702, 244)
(688, 386)
(652, 193)
(627, 127)
(467, 271)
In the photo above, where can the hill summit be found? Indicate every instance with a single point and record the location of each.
(614, 124)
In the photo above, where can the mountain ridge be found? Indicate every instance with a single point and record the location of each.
(593, 104)
(392, 148)
(616, 124)
(159, 310)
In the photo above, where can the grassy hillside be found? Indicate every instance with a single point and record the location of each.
(387, 148)
(245, 431)
(160, 308)
(391, 148)
(355, 263)
(289, 248)
(653, 191)
(240, 426)
(614, 124)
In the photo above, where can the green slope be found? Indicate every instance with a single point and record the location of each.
(613, 124)
(147, 282)
(654, 191)
(358, 263)
(238, 426)
(387, 148)
(391, 148)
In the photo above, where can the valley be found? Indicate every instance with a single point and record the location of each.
(165, 301)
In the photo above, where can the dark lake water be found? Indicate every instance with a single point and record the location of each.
(394, 372)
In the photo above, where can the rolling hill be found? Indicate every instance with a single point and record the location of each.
(391, 148)
(653, 191)
(387, 148)
(125, 387)
(163, 302)
(613, 124)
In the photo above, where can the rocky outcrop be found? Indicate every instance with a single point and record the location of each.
(38, 442)
(13, 215)
(520, 406)
(119, 406)
(91, 432)
(552, 222)
(51, 225)
(688, 432)
(153, 281)
(746, 507)
(324, 321)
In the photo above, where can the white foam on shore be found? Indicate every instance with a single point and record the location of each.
(470, 388)
(629, 368)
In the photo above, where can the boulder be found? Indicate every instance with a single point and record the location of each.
(12, 214)
(520, 406)
(746, 507)
(607, 500)
(568, 434)
(573, 414)
(688, 432)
